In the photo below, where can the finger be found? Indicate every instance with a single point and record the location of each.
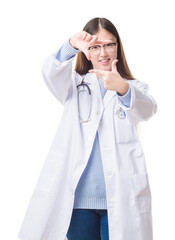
(86, 52)
(88, 37)
(93, 40)
(97, 71)
(84, 35)
(114, 66)
(100, 42)
(105, 41)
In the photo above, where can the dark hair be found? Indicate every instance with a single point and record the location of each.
(83, 65)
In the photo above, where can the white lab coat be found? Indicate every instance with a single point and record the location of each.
(126, 179)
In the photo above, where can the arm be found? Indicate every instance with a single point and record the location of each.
(57, 71)
(142, 104)
(125, 99)
(57, 68)
(66, 52)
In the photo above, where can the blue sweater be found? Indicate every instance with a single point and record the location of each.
(90, 192)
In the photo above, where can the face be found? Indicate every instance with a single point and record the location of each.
(99, 61)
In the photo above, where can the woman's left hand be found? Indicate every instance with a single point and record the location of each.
(112, 79)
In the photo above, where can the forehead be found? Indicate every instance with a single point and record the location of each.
(103, 34)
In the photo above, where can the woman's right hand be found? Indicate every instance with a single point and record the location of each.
(84, 40)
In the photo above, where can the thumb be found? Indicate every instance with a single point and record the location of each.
(87, 54)
(114, 67)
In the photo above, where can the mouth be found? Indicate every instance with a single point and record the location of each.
(104, 61)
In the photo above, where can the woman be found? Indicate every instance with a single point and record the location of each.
(94, 183)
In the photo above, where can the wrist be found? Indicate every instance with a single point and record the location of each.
(124, 88)
(72, 44)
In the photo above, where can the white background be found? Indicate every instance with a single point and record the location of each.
(30, 114)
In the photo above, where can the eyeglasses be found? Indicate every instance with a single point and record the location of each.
(109, 47)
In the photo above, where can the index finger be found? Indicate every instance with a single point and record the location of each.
(101, 73)
(96, 41)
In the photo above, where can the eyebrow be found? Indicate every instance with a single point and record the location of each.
(105, 43)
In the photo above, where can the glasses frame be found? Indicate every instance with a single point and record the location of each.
(101, 45)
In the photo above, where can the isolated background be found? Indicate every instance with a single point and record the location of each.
(30, 114)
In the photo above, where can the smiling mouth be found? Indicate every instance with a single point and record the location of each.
(105, 61)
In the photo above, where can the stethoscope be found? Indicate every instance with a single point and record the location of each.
(90, 95)
(120, 112)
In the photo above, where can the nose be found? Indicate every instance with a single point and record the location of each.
(103, 51)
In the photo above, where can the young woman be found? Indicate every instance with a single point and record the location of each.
(94, 184)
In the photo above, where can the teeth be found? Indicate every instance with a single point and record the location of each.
(104, 60)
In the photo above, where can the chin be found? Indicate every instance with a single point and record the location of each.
(106, 68)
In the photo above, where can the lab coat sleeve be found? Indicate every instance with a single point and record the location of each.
(142, 105)
(66, 52)
(58, 76)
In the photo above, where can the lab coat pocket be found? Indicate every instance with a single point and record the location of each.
(142, 193)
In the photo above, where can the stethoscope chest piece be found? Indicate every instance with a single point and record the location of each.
(121, 113)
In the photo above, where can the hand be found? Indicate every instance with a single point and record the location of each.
(84, 40)
(112, 79)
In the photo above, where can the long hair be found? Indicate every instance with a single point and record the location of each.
(83, 65)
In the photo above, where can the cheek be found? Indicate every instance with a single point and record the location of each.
(113, 55)
(94, 61)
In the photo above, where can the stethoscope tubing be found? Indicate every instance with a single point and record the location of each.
(120, 113)
(89, 91)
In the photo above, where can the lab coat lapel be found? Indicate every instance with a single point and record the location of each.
(108, 96)
(92, 81)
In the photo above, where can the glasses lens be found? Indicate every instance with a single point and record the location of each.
(95, 50)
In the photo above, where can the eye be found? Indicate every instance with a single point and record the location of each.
(96, 47)
(109, 45)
